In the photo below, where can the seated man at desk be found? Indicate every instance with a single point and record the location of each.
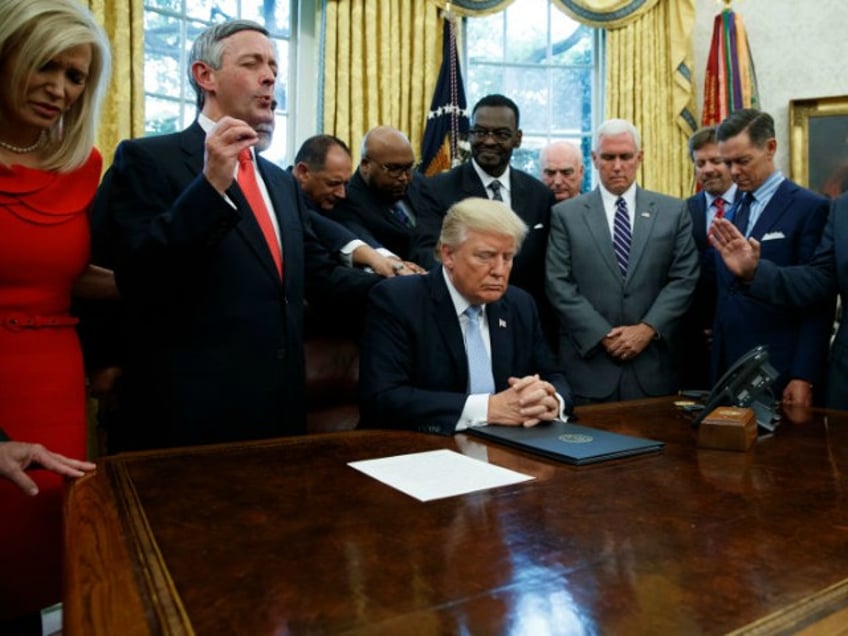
(459, 347)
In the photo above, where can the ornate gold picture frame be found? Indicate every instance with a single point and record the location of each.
(818, 143)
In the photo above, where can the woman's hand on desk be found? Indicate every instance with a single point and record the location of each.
(16, 457)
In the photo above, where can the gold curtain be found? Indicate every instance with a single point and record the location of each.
(123, 108)
(381, 62)
(648, 82)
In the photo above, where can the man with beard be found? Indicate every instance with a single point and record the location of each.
(214, 260)
(494, 134)
(391, 202)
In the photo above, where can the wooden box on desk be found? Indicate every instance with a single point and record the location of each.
(728, 428)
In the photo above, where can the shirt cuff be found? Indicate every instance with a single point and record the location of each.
(347, 250)
(387, 253)
(475, 411)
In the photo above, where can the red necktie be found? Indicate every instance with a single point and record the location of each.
(247, 182)
(718, 202)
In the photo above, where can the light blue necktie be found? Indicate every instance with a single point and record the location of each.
(480, 379)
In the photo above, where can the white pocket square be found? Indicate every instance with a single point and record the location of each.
(772, 236)
(538, 226)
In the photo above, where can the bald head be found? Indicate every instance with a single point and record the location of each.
(386, 162)
(562, 169)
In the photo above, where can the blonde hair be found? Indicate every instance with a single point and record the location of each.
(480, 215)
(36, 31)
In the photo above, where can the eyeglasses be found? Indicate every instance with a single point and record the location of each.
(394, 169)
(498, 134)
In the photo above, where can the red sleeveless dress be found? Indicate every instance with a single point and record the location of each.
(44, 247)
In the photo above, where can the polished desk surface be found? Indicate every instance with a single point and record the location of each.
(282, 537)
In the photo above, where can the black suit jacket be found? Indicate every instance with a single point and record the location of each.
(215, 351)
(532, 201)
(413, 368)
(693, 351)
(366, 215)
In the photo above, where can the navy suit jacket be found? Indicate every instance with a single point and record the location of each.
(693, 352)
(819, 281)
(215, 338)
(789, 229)
(366, 215)
(413, 368)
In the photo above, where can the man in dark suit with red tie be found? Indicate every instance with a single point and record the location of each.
(718, 194)
(214, 269)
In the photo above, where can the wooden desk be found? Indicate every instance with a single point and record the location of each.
(283, 537)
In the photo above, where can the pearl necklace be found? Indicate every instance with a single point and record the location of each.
(22, 150)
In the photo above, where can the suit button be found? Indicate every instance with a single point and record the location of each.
(281, 353)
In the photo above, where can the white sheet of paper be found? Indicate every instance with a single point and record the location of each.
(437, 474)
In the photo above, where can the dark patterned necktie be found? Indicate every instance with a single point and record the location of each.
(719, 206)
(743, 213)
(495, 187)
(621, 235)
(400, 213)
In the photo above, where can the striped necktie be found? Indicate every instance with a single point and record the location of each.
(718, 202)
(621, 235)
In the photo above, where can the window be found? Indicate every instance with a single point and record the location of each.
(170, 27)
(546, 63)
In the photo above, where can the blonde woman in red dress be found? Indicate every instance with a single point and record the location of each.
(54, 66)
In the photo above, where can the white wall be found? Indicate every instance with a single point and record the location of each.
(799, 47)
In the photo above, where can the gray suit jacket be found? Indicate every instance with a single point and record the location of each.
(590, 297)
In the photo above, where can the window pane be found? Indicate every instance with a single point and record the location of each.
(544, 61)
(168, 5)
(571, 100)
(281, 90)
(162, 74)
(275, 15)
(484, 39)
(276, 152)
(212, 10)
(161, 116)
(526, 34)
(528, 87)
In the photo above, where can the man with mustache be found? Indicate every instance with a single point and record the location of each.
(388, 200)
(459, 347)
(716, 198)
(215, 259)
(495, 133)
